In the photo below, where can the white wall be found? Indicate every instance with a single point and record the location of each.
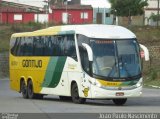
(97, 3)
(42, 18)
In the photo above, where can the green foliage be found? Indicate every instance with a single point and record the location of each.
(26, 27)
(153, 74)
(128, 7)
(155, 17)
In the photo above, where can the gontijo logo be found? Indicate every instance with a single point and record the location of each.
(32, 63)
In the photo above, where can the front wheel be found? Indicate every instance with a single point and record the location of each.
(75, 95)
(120, 102)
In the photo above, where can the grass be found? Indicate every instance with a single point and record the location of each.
(5, 33)
(148, 83)
(7, 30)
(152, 78)
(147, 35)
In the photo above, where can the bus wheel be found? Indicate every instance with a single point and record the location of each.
(75, 95)
(24, 89)
(120, 101)
(31, 94)
(65, 98)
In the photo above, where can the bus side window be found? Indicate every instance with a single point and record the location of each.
(83, 52)
(20, 48)
(71, 48)
(48, 46)
(84, 59)
(57, 46)
(28, 46)
(38, 44)
(53, 46)
(61, 40)
(13, 45)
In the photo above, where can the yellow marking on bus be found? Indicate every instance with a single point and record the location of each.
(109, 83)
(43, 32)
(85, 91)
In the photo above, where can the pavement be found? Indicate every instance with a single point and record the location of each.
(12, 102)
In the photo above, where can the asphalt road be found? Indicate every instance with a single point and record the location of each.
(12, 102)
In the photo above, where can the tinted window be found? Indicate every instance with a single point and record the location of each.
(28, 46)
(63, 45)
(13, 45)
(83, 52)
(38, 43)
(20, 46)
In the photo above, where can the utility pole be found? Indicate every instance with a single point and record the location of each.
(47, 10)
(158, 17)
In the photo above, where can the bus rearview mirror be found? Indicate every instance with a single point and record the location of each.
(146, 52)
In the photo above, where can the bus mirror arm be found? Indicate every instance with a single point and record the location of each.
(146, 52)
(90, 57)
(89, 51)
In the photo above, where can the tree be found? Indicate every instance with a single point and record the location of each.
(128, 8)
(155, 17)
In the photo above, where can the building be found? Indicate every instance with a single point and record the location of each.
(11, 12)
(152, 8)
(101, 11)
(71, 14)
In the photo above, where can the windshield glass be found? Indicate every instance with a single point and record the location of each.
(115, 58)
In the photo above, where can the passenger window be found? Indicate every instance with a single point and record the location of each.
(28, 46)
(38, 44)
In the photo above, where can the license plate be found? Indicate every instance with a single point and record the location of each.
(120, 94)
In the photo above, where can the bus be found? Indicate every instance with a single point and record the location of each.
(77, 62)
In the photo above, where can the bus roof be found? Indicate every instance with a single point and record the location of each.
(92, 30)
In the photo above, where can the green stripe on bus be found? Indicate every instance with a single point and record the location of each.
(129, 83)
(50, 70)
(54, 72)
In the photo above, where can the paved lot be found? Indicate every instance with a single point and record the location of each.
(12, 102)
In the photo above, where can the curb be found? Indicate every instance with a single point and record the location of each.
(152, 86)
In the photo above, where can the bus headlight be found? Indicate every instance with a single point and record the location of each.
(96, 83)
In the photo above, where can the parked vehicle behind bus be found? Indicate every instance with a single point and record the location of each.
(78, 62)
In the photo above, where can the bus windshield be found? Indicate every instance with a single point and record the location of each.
(116, 58)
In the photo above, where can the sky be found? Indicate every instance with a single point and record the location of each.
(40, 3)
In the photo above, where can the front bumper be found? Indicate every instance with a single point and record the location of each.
(101, 93)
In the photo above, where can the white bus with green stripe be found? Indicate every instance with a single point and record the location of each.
(77, 62)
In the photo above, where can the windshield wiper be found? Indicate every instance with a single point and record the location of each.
(135, 77)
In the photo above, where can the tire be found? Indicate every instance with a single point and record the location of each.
(75, 95)
(65, 98)
(31, 94)
(120, 102)
(24, 90)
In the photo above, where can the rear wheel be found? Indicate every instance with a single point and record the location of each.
(120, 102)
(31, 94)
(24, 90)
(75, 95)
